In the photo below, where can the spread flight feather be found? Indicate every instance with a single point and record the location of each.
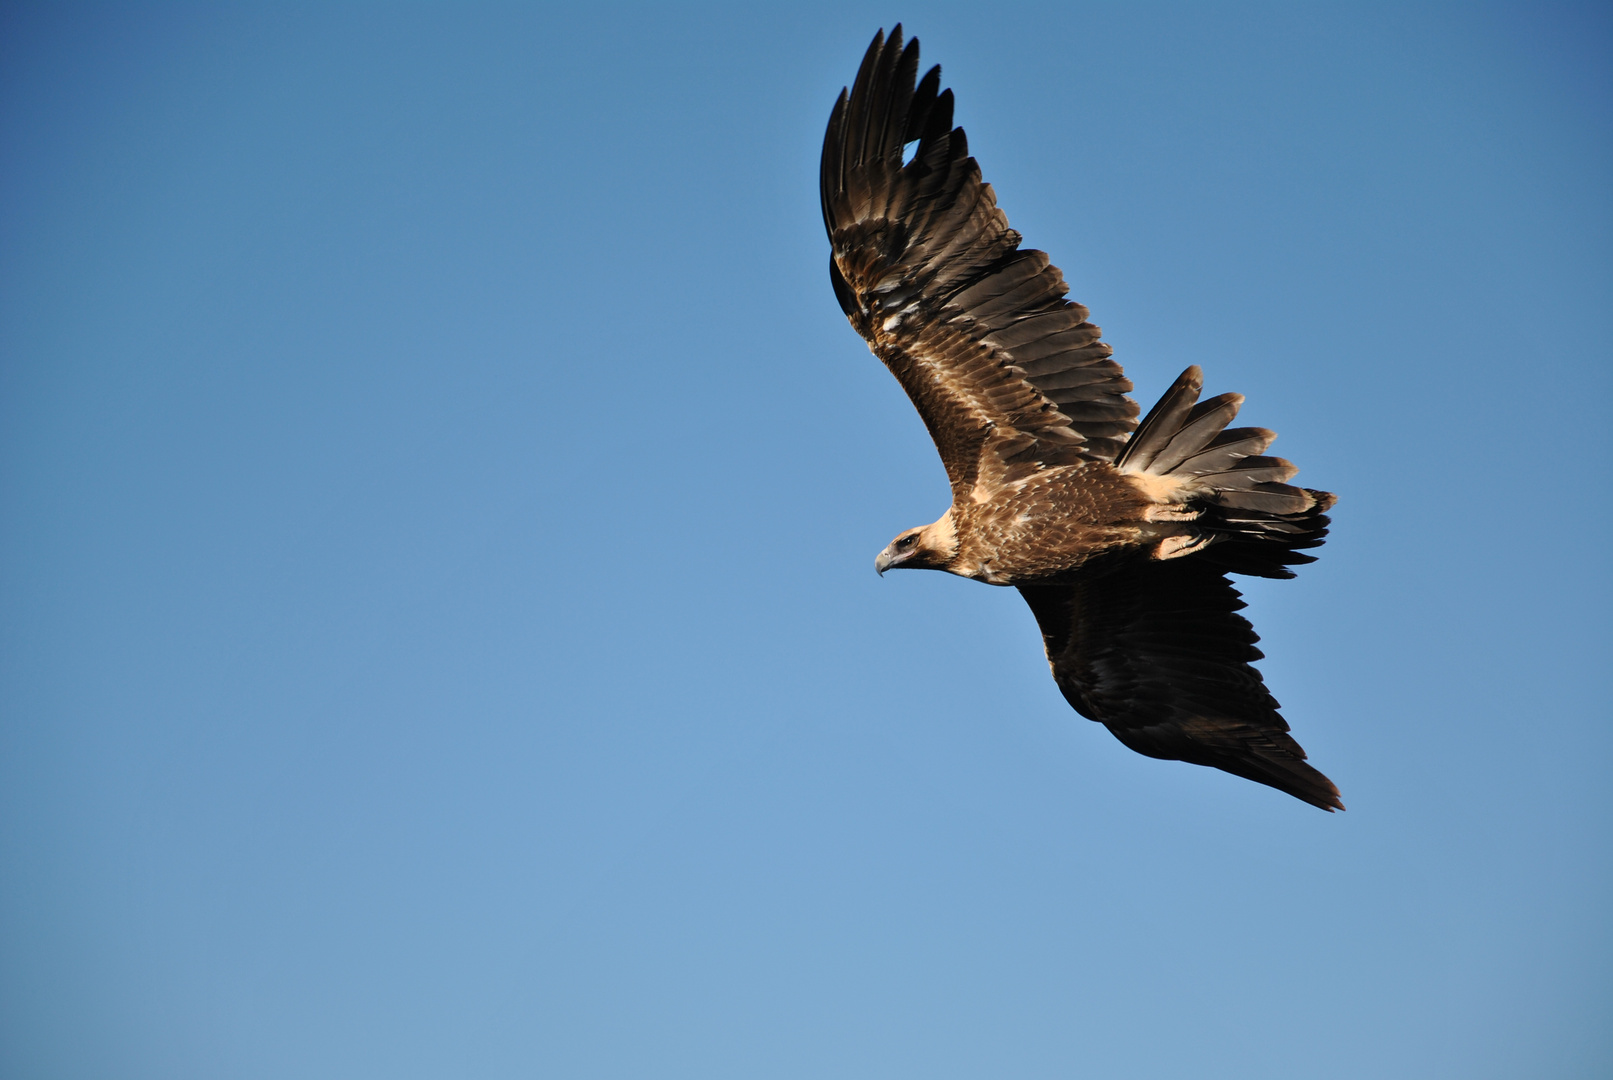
(1118, 535)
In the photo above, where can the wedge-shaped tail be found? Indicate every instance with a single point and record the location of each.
(1249, 518)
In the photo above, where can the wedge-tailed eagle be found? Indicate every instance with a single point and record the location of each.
(1119, 535)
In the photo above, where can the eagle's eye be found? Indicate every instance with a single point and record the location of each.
(906, 541)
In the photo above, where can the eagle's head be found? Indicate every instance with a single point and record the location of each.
(929, 547)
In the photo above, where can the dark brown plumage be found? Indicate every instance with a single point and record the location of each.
(1118, 535)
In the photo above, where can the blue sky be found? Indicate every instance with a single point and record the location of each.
(439, 632)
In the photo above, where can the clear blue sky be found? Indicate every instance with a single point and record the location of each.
(438, 633)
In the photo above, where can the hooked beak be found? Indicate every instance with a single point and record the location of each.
(889, 558)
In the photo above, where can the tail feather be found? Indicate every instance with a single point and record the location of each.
(1162, 421)
(1203, 424)
(1238, 448)
(1269, 497)
(1250, 520)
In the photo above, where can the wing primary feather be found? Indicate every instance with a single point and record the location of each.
(918, 114)
(829, 165)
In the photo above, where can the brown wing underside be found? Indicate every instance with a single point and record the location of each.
(1157, 653)
(1004, 370)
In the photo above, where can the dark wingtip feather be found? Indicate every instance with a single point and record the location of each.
(1290, 775)
(1309, 785)
(829, 180)
(924, 99)
(940, 122)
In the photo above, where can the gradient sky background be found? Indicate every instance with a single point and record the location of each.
(440, 491)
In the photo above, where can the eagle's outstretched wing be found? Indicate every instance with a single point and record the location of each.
(1157, 653)
(1007, 374)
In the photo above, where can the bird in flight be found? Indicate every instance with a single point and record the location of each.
(1119, 535)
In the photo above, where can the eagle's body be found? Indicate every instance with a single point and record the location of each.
(1036, 528)
(1118, 535)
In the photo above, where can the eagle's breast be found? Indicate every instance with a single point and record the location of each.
(1047, 524)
